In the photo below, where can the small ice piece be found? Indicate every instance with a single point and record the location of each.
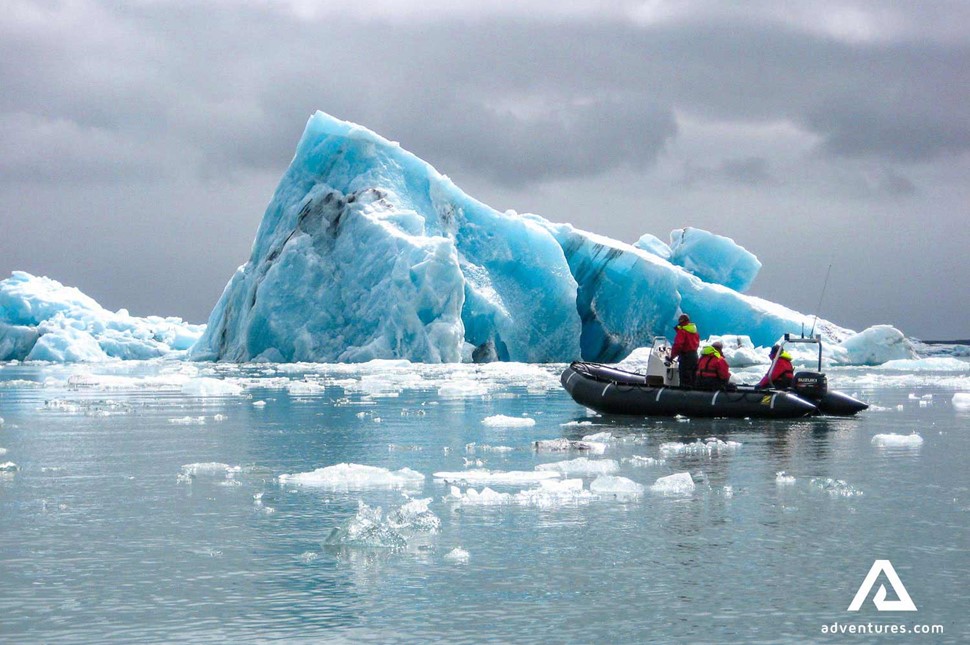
(210, 387)
(554, 493)
(574, 424)
(415, 516)
(354, 477)
(637, 460)
(8, 467)
(462, 388)
(308, 556)
(565, 445)
(961, 401)
(707, 448)
(503, 421)
(497, 477)
(187, 421)
(209, 469)
(893, 440)
(367, 529)
(3, 451)
(304, 388)
(835, 487)
(601, 437)
(619, 486)
(678, 484)
(219, 417)
(783, 478)
(487, 448)
(457, 555)
(582, 466)
(924, 404)
(259, 404)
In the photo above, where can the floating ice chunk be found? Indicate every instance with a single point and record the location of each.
(496, 478)
(8, 467)
(367, 529)
(3, 451)
(930, 364)
(874, 346)
(187, 421)
(354, 477)
(502, 421)
(308, 556)
(259, 404)
(211, 387)
(678, 484)
(600, 437)
(465, 388)
(457, 555)
(893, 440)
(783, 478)
(835, 487)
(619, 486)
(219, 417)
(707, 448)
(961, 401)
(554, 493)
(565, 445)
(304, 388)
(637, 460)
(487, 497)
(582, 466)
(415, 516)
(574, 424)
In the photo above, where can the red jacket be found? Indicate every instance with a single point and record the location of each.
(780, 376)
(712, 365)
(686, 340)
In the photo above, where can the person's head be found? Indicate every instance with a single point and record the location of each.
(774, 350)
(684, 319)
(718, 345)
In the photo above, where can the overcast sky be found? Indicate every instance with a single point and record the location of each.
(141, 141)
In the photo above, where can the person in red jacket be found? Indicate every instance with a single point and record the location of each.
(712, 369)
(780, 376)
(686, 342)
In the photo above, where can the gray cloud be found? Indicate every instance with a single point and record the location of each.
(107, 102)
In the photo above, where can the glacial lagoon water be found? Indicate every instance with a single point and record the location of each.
(142, 502)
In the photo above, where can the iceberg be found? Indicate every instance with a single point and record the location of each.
(42, 320)
(367, 252)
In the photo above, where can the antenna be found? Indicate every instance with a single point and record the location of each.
(819, 306)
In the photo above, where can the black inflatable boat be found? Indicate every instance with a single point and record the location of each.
(614, 391)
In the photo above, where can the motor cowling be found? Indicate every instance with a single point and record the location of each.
(813, 385)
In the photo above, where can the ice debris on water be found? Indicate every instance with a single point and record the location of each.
(457, 555)
(370, 529)
(707, 448)
(582, 466)
(961, 401)
(674, 485)
(640, 461)
(549, 493)
(8, 467)
(503, 421)
(186, 421)
(621, 487)
(835, 487)
(208, 470)
(565, 445)
(259, 404)
(893, 440)
(473, 447)
(206, 387)
(354, 476)
(783, 478)
(496, 477)
(3, 451)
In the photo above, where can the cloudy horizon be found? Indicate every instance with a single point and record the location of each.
(142, 141)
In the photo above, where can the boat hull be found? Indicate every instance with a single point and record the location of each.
(612, 391)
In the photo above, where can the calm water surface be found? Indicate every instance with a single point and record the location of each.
(102, 540)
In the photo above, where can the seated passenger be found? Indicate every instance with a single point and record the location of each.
(712, 369)
(780, 376)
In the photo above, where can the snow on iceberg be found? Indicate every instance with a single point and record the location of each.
(366, 251)
(874, 346)
(42, 320)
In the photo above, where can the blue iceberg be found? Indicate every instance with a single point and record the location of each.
(367, 252)
(42, 320)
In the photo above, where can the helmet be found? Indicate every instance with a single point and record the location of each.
(718, 345)
(684, 319)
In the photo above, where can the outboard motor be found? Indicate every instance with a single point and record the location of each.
(810, 385)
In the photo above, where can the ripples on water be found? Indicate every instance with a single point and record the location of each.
(105, 537)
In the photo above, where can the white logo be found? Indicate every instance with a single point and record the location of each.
(905, 603)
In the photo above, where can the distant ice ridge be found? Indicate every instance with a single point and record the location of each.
(366, 251)
(42, 320)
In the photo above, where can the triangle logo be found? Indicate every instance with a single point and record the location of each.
(904, 602)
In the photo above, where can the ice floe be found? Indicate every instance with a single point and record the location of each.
(582, 466)
(783, 478)
(354, 477)
(566, 445)
(618, 486)
(496, 477)
(961, 401)
(892, 440)
(642, 462)
(457, 555)
(188, 421)
(835, 487)
(707, 448)
(8, 467)
(674, 485)
(503, 421)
